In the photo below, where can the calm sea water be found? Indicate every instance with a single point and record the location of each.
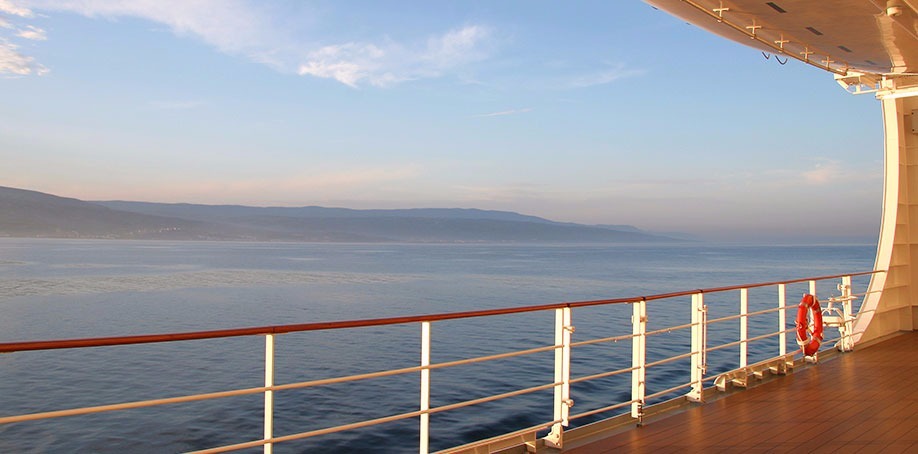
(52, 289)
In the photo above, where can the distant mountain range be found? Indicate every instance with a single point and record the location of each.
(26, 213)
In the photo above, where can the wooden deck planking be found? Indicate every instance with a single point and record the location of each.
(865, 401)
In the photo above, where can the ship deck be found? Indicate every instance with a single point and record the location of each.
(866, 400)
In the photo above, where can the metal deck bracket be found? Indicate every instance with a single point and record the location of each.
(838, 314)
(739, 378)
(554, 439)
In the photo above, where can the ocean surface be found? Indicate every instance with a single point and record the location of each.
(54, 289)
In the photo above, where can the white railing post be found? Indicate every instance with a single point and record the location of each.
(269, 394)
(743, 327)
(782, 319)
(699, 331)
(562, 401)
(638, 358)
(846, 342)
(813, 288)
(425, 387)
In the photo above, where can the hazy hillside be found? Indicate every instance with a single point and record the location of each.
(216, 212)
(408, 229)
(34, 214)
(29, 213)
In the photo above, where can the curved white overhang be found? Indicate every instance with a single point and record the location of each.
(872, 37)
(872, 43)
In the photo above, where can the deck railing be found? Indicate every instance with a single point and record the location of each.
(564, 381)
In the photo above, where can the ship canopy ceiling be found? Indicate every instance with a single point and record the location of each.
(847, 37)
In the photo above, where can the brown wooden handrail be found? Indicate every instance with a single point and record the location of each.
(10, 347)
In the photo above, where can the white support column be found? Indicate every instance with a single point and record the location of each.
(269, 394)
(782, 319)
(698, 346)
(562, 400)
(813, 288)
(425, 388)
(891, 302)
(638, 358)
(743, 327)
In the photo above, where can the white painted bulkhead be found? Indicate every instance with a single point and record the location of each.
(891, 304)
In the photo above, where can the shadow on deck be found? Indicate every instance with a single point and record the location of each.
(866, 401)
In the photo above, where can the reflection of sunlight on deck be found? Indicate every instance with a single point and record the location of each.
(856, 402)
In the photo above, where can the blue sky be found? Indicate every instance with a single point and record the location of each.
(599, 112)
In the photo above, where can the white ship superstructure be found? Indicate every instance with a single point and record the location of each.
(871, 48)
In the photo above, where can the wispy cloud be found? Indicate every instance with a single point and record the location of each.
(264, 35)
(820, 172)
(388, 62)
(603, 77)
(826, 171)
(16, 64)
(33, 33)
(231, 26)
(12, 61)
(12, 9)
(504, 112)
(349, 64)
(457, 47)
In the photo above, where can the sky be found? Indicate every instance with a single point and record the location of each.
(595, 112)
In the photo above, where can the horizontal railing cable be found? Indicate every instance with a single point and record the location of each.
(10, 347)
(669, 329)
(481, 359)
(602, 340)
(602, 410)
(669, 360)
(667, 391)
(748, 314)
(603, 375)
(751, 339)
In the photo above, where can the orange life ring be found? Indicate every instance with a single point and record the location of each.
(808, 338)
